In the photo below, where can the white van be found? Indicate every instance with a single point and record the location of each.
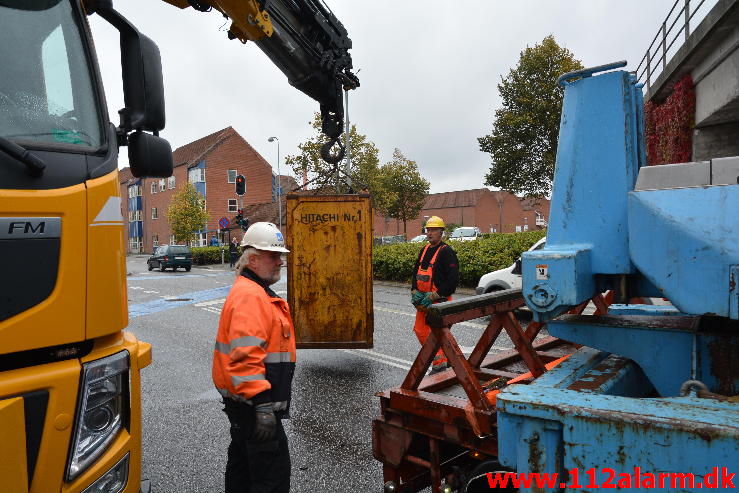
(508, 278)
(466, 233)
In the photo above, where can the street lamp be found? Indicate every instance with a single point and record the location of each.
(279, 182)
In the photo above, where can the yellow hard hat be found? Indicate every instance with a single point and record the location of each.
(435, 222)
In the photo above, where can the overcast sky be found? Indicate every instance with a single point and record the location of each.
(429, 72)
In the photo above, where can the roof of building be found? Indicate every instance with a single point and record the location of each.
(195, 151)
(266, 211)
(461, 198)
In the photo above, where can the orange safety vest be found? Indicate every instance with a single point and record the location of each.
(255, 346)
(424, 277)
(425, 282)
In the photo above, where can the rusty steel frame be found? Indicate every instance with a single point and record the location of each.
(415, 415)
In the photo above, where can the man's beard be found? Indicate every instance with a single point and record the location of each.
(272, 278)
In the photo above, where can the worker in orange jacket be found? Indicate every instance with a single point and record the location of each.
(435, 278)
(253, 366)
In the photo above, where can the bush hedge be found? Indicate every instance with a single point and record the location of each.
(395, 262)
(209, 255)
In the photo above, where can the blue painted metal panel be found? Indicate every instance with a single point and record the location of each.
(734, 292)
(549, 427)
(598, 157)
(679, 245)
(646, 310)
(702, 352)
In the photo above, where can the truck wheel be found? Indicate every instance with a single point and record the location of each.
(187, 269)
(162, 267)
(149, 266)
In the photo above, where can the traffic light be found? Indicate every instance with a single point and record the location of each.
(240, 185)
(241, 220)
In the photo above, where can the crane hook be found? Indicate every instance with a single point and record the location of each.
(326, 151)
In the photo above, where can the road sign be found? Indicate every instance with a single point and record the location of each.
(224, 222)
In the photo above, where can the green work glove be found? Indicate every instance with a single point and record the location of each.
(429, 299)
(417, 296)
(265, 423)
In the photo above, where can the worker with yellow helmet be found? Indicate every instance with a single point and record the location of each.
(435, 278)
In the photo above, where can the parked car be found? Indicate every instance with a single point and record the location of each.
(418, 239)
(466, 233)
(508, 278)
(173, 256)
(388, 240)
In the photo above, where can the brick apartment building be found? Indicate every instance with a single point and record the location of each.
(492, 212)
(211, 164)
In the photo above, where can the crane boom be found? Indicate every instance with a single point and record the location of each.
(306, 41)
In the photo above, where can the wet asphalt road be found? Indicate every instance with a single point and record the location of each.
(185, 434)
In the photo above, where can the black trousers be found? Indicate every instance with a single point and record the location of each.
(234, 258)
(252, 466)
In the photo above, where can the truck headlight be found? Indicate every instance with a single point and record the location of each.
(101, 408)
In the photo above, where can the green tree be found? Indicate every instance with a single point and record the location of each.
(523, 144)
(363, 153)
(186, 213)
(402, 189)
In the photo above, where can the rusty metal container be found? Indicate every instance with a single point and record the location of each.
(329, 270)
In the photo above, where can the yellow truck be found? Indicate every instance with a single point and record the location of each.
(70, 393)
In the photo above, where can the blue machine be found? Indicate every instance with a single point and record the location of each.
(654, 390)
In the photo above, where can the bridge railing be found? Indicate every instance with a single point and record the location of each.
(684, 15)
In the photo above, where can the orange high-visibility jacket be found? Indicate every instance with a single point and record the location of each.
(254, 356)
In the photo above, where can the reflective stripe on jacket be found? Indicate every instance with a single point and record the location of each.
(254, 354)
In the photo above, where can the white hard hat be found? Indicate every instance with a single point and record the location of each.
(264, 236)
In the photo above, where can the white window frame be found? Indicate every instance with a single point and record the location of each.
(172, 240)
(228, 176)
(196, 175)
(135, 244)
(155, 241)
(233, 206)
(162, 185)
(154, 213)
(170, 182)
(153, 187)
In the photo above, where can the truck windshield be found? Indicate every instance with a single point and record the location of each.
(46, 90)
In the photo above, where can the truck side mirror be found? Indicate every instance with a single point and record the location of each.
(517, 267)
(149, 155)
(141, 66)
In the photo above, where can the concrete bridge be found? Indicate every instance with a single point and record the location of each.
(710, 54)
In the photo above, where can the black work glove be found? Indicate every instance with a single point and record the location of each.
(265, 423)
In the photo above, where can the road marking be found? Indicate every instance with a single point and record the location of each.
(162, 304)
(135, 287)
(356, 352)
(150, 292)
(211, 302)
(382, 355)
(147, 277)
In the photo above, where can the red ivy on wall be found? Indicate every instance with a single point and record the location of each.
(669, 126)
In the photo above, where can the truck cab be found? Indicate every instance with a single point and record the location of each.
(70, 412)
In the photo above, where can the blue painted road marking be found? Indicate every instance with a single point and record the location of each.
(160, 305)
